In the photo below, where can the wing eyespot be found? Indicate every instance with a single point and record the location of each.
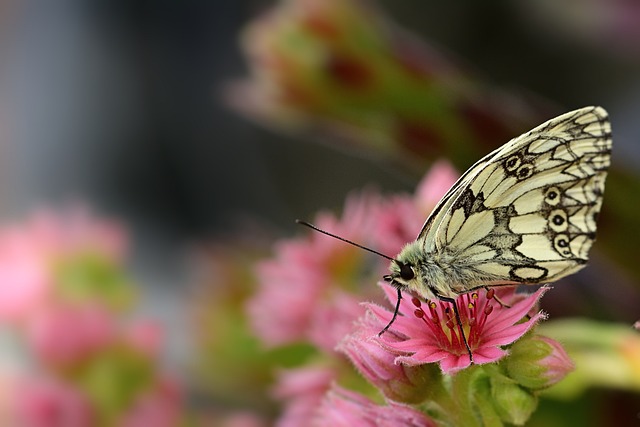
(524, 171)
(561, 245)
(512, 163)
(552, 196)
(558, 220)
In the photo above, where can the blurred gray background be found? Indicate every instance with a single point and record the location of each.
(117, 104)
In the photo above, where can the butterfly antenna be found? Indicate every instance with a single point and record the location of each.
(397, 309)
(313, 227)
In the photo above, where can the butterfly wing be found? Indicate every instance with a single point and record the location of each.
(526, 213)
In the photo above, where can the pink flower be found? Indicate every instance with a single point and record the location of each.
(159, 407)
(400, 218)
(431, 333)
(31, 252)
(302, 389)
(46, 403)
(398, 382)
(25, 279)
(145, 336)
(331, 322)
(344, 408)
(398, 221)
(310, 279)
(63, 334)
(242, 419)
(302, 277)
(75, 230)
(435, 185)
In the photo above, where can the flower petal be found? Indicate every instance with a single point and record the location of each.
(510, 334)
(488, 354)
(454, 363)
(507, 316)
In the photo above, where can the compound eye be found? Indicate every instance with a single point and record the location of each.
(406, 272)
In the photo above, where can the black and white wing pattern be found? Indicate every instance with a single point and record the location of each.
(526, 213)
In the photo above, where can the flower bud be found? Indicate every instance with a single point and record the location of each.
(538, 362)
(513, 403)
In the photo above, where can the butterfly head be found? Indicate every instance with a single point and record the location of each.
(408, 271)
(401, 274)
(404, 274)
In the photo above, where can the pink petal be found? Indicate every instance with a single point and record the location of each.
(421, 359)
(412, 345)
(454, 363)
(487, 355)
(404, 325)
(505, 317)
(510, 334)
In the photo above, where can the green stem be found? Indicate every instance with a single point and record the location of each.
(489, 416)
(462, 392)
(454, 400)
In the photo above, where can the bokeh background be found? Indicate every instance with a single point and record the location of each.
(120, 103)
(137, 110)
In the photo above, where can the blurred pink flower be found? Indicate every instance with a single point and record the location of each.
(75, 230)
(400, 218)
(309, 278)
(63, 334)
(432, 335)
(145, 336)
(344, 408)
(47, 403)
(299, 280)
(398, 221)
(331, 322)
(159, 407)
(29, 253)
(242, 419)
(302, 389)
(435, 185)
(25, 279)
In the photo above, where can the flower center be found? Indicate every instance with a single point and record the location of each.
(440, 320)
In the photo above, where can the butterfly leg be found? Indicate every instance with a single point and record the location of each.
(395, 314)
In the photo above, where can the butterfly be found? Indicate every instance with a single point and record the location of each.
(523, 214)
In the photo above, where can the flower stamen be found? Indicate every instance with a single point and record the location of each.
(488, 309)
(434, 313)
